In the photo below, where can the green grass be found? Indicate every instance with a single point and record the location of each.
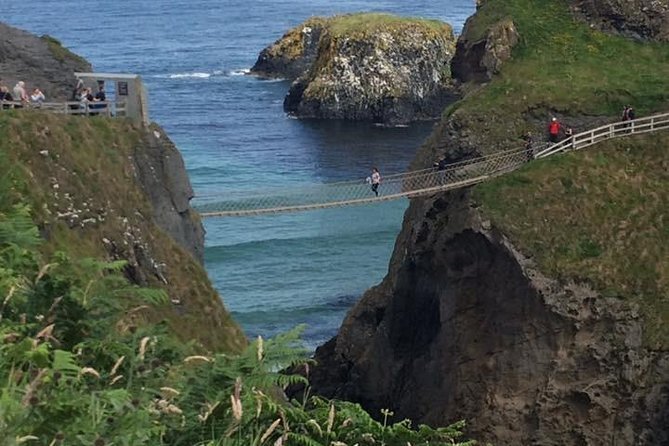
(89, 159)
(561, 65)
(599, 216)
(371, 23)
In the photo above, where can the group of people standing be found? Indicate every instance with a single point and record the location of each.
(20, 94)
(84, 95)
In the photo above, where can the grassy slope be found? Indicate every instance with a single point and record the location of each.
(600, 216)
(561, 65)
(88, 159)
(597, 215)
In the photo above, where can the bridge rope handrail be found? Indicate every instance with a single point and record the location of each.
(414, 183)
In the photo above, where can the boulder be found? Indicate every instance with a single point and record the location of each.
(478, 58)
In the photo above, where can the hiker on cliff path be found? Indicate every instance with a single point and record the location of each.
(554, 130)
(529, 150)
(376, 180)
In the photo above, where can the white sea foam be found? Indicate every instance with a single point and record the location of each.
(190, 75)
(242, 72)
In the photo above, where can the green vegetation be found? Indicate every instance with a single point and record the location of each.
(73, 165)
(561, 65)
(598, 216)
(60, 52)
(76, 369)
(372, 23)
(358, 25)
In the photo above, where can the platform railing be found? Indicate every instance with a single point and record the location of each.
(87, 108)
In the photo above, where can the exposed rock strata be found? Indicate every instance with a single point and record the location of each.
(465, 327)
(39, 62)
(642, 19)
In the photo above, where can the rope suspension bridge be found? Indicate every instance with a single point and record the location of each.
(414, 183)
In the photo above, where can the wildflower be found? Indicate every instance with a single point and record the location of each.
(117, 364)
(196, 358)
(89, 371)
(142, 347)
(115, 380)
(269, 430)
(210, 409)
(260, 348)
(236, 408)
(169, 392)
(331, 417)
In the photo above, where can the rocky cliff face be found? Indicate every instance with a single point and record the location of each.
(104, 188)
(466, 327)
(642, 19)
(39, 62)
(368, 67)
(479, 58)
(293, 54)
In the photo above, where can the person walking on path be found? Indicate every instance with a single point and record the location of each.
(376, 180)
(529, 149)
(554, 130)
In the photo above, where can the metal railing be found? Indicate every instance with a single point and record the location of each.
(88, 108)
(414, 183)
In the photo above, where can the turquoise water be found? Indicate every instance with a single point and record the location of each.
(273, 272)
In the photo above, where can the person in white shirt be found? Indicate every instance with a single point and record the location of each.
(376, 180)
(37, 97)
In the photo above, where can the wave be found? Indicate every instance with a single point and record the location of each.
(203, 74)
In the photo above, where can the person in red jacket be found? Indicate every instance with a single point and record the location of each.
(554, 130)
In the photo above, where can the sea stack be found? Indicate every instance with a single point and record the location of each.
(364, 67)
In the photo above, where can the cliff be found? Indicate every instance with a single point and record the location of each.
(105, 189)
(38, 61)
(368, 67)
(533, 306)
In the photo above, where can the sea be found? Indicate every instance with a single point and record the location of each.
(273, 272)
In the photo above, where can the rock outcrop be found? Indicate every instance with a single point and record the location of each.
(530, 328)
(368, 67)
(38, 61)
(641, 19)
(293, 54)
(466, 327)
(478, 58)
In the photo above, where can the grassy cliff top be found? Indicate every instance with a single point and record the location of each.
(360, 25)
(598, 215)
(78, 176)
(371, 23)
(561, 65)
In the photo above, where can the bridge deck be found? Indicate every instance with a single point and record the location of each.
(414, 183)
